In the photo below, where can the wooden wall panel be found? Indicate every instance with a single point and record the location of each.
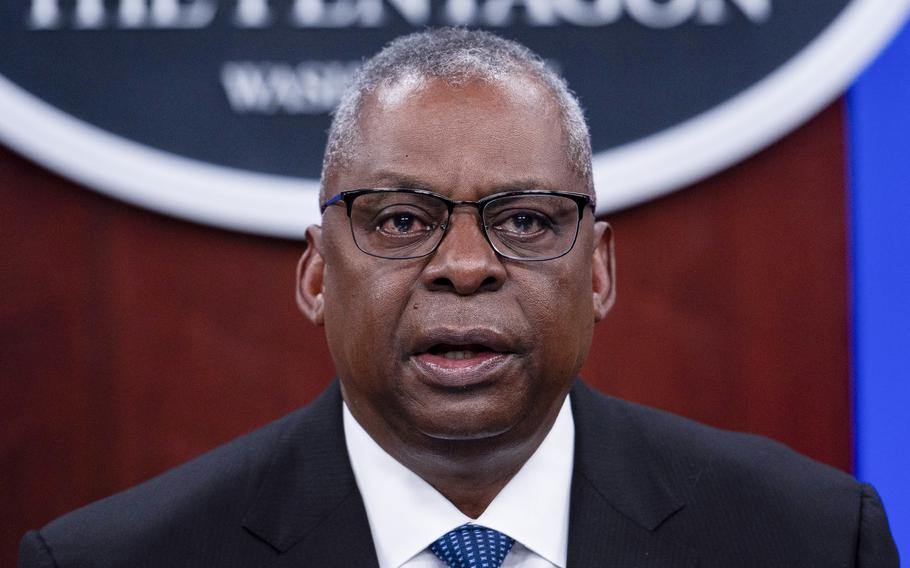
(130, 342)
(733, 297)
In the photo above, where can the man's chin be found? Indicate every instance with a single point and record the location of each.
(464, 422)
(490, 409)
(464, 433)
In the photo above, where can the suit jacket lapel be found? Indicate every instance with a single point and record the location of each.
(308, 507)
(310, 512)
(621, 491)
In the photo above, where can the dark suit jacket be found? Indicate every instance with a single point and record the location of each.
(648, 489)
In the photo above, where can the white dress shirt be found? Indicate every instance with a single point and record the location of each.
(406, 514)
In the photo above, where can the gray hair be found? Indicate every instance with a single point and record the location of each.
(454, 55)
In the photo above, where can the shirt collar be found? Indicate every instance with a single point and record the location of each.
(406, 514)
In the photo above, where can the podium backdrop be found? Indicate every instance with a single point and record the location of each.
(769, 298)
(132, 342)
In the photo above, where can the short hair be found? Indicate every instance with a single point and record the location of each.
(456, 56)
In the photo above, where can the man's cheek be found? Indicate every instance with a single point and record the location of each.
(389, 290)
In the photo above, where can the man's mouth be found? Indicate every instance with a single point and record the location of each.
(459, 352)
(457, 360)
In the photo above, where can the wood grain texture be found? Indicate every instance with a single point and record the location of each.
(733, 298)
(130, 342)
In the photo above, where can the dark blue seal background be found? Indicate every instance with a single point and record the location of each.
(164, 88)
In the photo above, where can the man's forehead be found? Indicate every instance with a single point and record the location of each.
(438, 115)
(518, 87)
(476, 135)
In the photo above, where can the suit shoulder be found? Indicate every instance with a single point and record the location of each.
(689, 444)
(708, 457)
(735, 496)
(208, 493)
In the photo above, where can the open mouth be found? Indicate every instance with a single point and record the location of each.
(460, 352)
(454, 358)
(458, 360)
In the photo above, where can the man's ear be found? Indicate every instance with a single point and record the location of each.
(310, 272)
(603, 270)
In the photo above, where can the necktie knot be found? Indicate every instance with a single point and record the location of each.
(472, 546)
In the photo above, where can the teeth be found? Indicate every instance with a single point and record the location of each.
(458, 355)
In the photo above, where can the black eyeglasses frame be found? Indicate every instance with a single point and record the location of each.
(582, 200)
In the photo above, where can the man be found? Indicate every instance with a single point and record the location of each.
(458, 273)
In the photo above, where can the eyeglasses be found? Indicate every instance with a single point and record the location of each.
(410, 223)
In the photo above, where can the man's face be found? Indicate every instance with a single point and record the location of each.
(460, 344)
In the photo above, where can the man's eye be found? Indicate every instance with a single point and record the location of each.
(523, 223)
(402, 223)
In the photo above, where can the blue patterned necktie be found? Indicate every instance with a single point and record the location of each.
(472, 546)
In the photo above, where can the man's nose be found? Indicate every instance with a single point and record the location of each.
(464, 262)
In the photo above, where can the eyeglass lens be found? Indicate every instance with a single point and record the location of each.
(393, 224)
